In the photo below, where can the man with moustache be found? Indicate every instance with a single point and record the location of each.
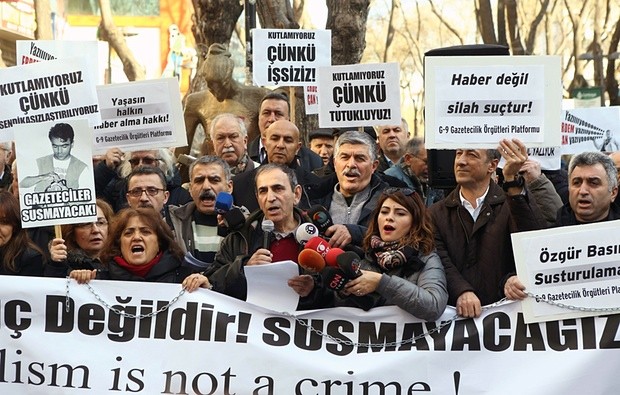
(354, 197)
(229, 137)
(195, 224)
(146, 187)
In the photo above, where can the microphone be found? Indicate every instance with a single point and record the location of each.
(332, 256)
(320, 217)
(305, 232)
(333, 278)
(267, 226)
(349, 263)
(311, 260)
(319, 245)
(223, 202)
(233, 216)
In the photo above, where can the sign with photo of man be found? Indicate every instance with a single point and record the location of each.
(58, 186)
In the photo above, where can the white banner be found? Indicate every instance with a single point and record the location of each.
(311, 99)
(55, 175)
(577, 266)
(207, 343)
(45, 92)
(33, 51)
(289, 57)
(476, 101)
(359, 95)
(591, 129)
(140, 115)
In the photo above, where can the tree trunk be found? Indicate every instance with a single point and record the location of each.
(610, 79)
(484, 19)
(276, 14)
(347, 21)
(390, 31)
(110, 33)
(501, 23)
(512, 20)
(43, 16)
(214, 22)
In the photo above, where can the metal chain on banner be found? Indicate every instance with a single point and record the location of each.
(121, 312)
(576, 308)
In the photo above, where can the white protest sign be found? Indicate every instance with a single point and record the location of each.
(578, 266)
(359, 95)
(32, 51)
(289, 57)
(311, 99)
(57, 338)
(55, 173)
(47, 91)
(140, 115)
(550, 158)
(476, 101)
(591, 129)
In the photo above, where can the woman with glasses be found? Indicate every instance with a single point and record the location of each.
(20, 256)
(80, 245)
(140, 247)
(401, 267)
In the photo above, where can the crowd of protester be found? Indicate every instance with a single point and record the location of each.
(394, 237)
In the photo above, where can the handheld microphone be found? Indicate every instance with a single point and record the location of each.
(332, 256)
(320, 217)
(311, 261)
(305, 232)
(349, 263)
(223, 202)
(267, 226)
(333, 278)
(319, 245)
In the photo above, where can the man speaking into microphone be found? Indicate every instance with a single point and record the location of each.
(267, 236)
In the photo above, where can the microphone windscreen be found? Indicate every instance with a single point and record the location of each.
(319, 245)
(223, 202)
(305, 232)
(332, 255)
(234, 218)
(267, 225)
(320, 217)
(349, 263)
(311, 261)
(333, 278)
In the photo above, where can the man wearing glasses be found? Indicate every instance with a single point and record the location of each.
(111, 175)
(412, 169)
(195, 224)
(146, 187)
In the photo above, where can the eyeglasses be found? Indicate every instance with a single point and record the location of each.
(147, 160)
(404, 191)
(100, 224)
(425, 160)
(137, 192)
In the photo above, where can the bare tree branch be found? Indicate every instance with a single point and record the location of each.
(445, 23)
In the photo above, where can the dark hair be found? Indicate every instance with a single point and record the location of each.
(209, 160)
(420, 236)
(20, 241)
(276, 96)
(63, 131)
(592, 159)
(152, 219)
(290, 174)
(68, 231)
(147, 170)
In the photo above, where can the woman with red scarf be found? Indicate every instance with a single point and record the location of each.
(139, 247)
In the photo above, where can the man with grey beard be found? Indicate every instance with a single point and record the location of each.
(195, 224)
(354, 197)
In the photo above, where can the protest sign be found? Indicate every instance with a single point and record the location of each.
(58, 186)
(359, 95)
(54, 341)
(289, 57)
(591, 129)
(33, 51)
(578, 266)
(476, 101)
(311, 99)
(550, 158)
(47, 91)
(140, 115)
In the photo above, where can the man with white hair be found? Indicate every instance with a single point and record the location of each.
(229, 136)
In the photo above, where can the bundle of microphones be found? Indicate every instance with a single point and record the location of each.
(233, 215)
(334, 265)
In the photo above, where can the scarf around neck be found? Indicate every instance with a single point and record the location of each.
(138, 270)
